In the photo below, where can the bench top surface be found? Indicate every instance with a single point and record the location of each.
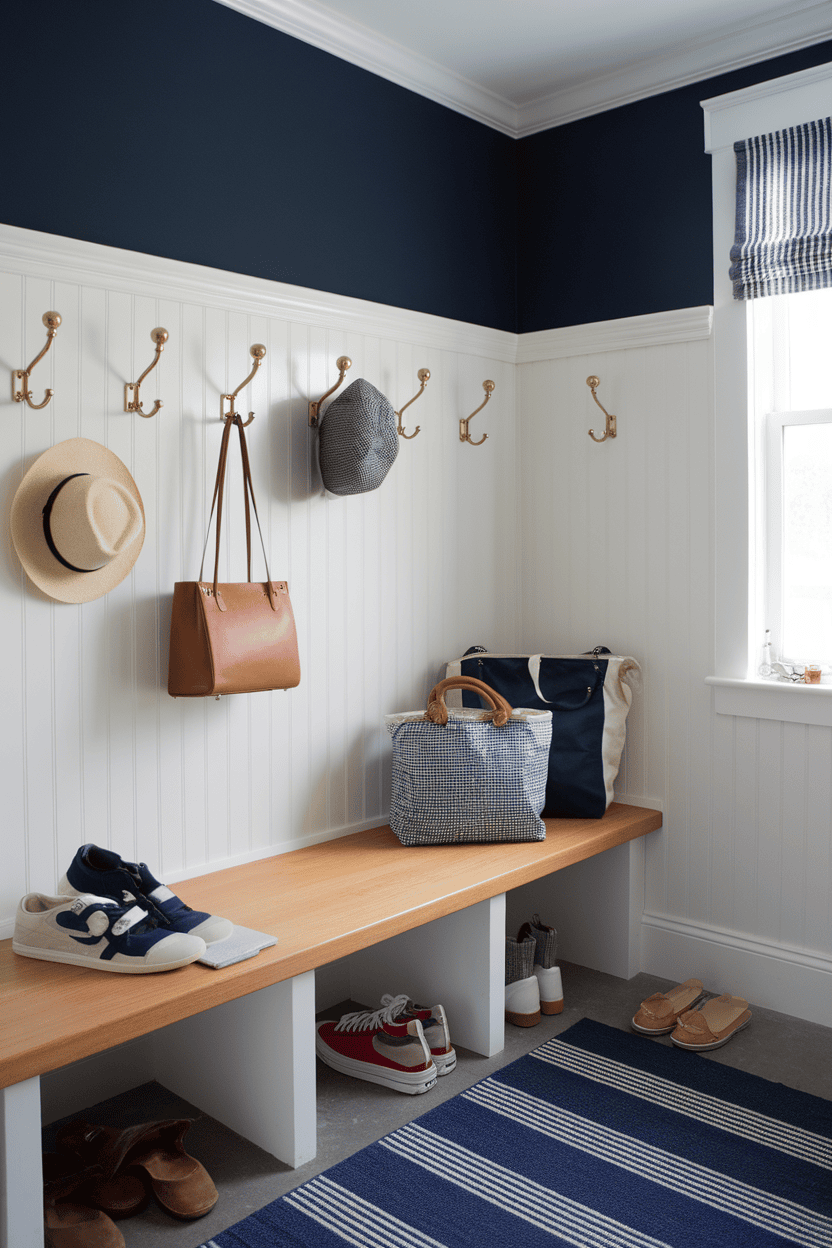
(322, 903)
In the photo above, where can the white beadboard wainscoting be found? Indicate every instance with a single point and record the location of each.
(386, 586)
(617, 547)
(539, 540)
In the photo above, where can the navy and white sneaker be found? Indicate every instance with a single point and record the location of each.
(106, 874)
(95, 931)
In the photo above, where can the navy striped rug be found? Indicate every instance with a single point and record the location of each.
(600, 1139)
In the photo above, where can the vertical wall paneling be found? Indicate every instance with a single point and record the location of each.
(14, 736)
(818, 881)
(385, 586)
(617, 548)
(719, 910)
(540, 539)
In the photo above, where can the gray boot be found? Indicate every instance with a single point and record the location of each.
(522, 990)
(545, 940)
(546, 972)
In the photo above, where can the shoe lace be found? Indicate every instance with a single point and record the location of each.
(366, 1020)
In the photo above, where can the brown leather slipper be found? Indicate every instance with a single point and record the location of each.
(180, 1183)
(709, 1028)
(122, 1196)
(67, 1221)
(120, 1192)
(67, 1225)
(658, 1015)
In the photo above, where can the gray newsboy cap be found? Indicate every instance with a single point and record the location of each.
(357, 440)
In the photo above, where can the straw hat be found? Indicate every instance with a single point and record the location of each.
(77, 521)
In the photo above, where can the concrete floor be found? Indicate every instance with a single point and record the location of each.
(352, 1114)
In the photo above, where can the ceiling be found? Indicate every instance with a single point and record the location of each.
(525, 65)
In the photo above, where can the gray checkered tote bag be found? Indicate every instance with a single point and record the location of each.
(463, 776)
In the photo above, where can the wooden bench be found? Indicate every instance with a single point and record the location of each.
(239, 1042)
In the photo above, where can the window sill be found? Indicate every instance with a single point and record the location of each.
(767, 699)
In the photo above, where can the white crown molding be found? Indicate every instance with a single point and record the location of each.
(778, 33)
(654, 330)
(772, 35)
(324, 29)
(73, 260)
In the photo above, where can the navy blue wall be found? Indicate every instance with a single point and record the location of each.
(188, 130)
(615, 210)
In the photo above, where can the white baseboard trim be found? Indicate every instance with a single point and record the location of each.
(779, 977)
(239, 860)
(272, 851)
(633, 799)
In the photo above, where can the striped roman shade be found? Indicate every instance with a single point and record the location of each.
(783, 239)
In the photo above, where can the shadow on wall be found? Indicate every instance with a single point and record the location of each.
(10, 567)
(352, 785)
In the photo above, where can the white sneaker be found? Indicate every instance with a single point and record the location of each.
(103, 873)
(551, 989)
(98, 932)
(523, 1002)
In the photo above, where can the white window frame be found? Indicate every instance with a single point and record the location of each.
(761, 109)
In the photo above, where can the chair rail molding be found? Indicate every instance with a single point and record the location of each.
(94, 264)
(656, 329)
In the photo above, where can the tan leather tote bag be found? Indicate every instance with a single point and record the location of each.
(238, 637)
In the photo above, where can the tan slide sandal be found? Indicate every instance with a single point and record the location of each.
(713, 1025)
(658, 1015)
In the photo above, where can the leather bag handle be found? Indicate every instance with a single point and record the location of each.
(216, 502)
(437, 711)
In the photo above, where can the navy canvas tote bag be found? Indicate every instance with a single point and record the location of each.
(589, 697)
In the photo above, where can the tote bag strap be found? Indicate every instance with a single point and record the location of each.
(576, 701)
(216, 503)
(250, 491)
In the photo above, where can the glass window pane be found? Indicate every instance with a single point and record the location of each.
(807, 543)
(810, 325)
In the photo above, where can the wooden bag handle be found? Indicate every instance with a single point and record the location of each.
(437, 711)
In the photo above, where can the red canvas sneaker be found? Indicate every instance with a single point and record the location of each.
(434, 1022)
(370, 1045)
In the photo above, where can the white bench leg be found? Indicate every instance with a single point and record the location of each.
(250, 1063)
(21, 1171)
(457, 961)
(595, 905)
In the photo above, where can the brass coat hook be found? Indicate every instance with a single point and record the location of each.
(132, 402)
(424, 377)
(257, 353)
(342, 364)
(610, 431)
(21, 377)
(464, 435)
